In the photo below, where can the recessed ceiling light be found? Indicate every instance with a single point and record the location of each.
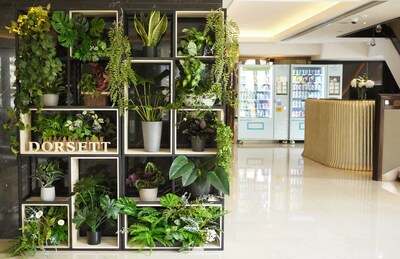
(364, 23)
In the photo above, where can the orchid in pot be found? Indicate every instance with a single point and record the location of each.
(362, 83)
(146, 181)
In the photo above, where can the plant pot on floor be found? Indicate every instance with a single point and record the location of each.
(93, 238)
(50, 99)
(151, 135)
(198, 144)
(48, 193)
(148, 194)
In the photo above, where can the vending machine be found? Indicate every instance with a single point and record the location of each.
(281, 102)
(255, 120)
(311, 81)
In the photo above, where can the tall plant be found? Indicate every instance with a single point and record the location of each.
(119, 66)
(37, 68)
(226, 52)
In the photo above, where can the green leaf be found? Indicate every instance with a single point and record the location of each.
(60, 22)
(127, 206)
(189, 178)
(219, 179)
(140, 29)
(108, 206)
(180, 166)
(96, 27)
(169, 200)
(80, 23)
(192, 49)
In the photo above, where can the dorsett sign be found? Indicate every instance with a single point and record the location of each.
(68, 146)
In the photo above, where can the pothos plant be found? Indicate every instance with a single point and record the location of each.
(36, 69)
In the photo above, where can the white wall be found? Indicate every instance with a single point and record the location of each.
(363, 51)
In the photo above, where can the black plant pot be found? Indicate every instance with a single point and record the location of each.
(94, 238)
(150, 51)
(198, 144)
(196, 191)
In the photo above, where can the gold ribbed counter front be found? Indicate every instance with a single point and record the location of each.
(339, 133)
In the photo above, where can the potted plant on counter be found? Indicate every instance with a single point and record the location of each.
(47, 173)
(150, 30)
(146, 181)
(93, 206)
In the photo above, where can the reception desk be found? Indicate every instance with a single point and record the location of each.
(339, 133)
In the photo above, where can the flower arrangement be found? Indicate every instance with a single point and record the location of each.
(149, 177)
(362, 83)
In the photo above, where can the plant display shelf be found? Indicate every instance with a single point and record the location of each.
(78, 241)
(216, 245)
(63, 245)
(181, 19)
(220, 116)
(26, 134)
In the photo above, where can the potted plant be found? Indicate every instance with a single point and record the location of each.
(194, 84)
(51, 92)
(149, 101)
(146, 181)
(199, 173)
(47, 173)
(199, 129)
(42, 226)
(37, 69)
(93, 206)
(93, 86)
(83, 36)
(150, 30)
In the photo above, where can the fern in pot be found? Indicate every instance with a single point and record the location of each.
(146, 181)
(150, 30)
(46, 174)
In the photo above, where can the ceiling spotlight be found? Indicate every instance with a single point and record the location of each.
(354, 20)
(378, 28)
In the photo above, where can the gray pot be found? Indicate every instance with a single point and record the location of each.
(93, 238)
(151, 135)
(196, 191)
(49, 99)
(198, 144)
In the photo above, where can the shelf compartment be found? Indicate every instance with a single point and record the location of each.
(133, 138)
(182, 141)
(64, 244)
(31, 146)
(188, 19)
(80, 167)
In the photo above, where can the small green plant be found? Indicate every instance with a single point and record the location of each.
(199, 171)
(149, 177)
(151, 28)
(224, 147)
(43, 226)
(47, 173)
(193, 41)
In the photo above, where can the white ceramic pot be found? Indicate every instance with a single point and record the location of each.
(192, 100)
(148, 194)
(50, 99)
(48, 193)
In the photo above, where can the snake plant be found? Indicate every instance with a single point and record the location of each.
(151, 28)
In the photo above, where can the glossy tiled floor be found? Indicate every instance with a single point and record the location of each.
(284, 206)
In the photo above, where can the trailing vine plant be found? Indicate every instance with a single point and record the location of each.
(226, 51)
(224, 146)
(119, 66)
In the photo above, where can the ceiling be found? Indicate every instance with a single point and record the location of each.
(308, 21)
